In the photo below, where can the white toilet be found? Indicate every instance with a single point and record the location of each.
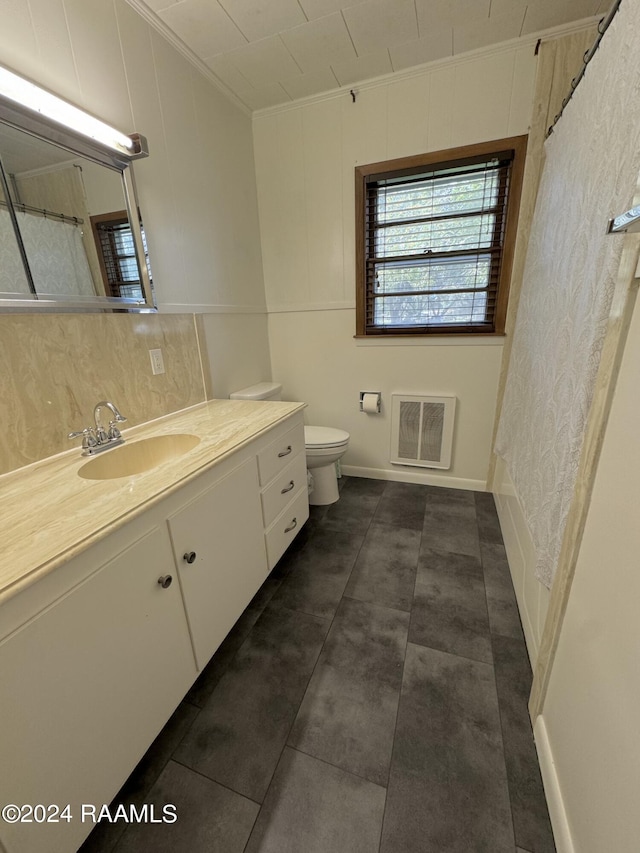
(324, 446)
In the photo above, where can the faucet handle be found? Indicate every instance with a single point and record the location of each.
(114, 433)
(101, 434)
(88, 437)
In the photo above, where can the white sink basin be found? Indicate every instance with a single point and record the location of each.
(137, 457)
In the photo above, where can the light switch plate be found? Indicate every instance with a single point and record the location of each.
(157, 362)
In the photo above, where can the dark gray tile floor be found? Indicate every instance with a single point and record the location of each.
(371, 699)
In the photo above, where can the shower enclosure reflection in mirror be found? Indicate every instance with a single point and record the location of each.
(70, 231)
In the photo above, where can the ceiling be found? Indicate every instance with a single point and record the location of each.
(270, 52)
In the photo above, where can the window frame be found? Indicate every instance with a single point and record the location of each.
(517, 146)
(113, 219)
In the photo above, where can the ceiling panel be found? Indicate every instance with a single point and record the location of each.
(223, 68)
(159, 5)
(204, 26)
(551, 13)
(272, 51)
(380, 24)
(319, 44)
(363, 68)
(319, 8)
(436, 13)
(258, 19)
(474, 34)
(437, 45)
(503, 7)
(265, 61)
(264, 96)
(310, 84)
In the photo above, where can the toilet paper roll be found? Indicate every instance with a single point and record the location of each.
(370, 404)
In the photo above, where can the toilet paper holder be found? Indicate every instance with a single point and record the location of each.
(377, 394)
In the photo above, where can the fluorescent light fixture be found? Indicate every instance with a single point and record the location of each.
(27, 94)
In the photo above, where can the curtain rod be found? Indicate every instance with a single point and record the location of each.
(41, 211)
(603, 26)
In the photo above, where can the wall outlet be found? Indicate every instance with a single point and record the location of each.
(157, 362)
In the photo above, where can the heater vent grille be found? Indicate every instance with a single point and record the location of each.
(422, 430)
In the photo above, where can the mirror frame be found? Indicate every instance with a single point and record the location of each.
(41, 127)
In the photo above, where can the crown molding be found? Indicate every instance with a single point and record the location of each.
(159, 25)
(395, 76)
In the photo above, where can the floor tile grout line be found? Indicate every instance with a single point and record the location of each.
(453, 654)
(113, 849)
(200, 710)
(294, 718)
(147, 788)
(376, 604)
(232, 658)
(335, 766)
(484, 587)
(395, 732)
(253, 826)
(495, 685)
(404, 661)
(318, 659)
(304, 693)
(504, 754)
(216, 781)
(502, 707)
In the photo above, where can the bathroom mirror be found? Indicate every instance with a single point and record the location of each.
(70, 231)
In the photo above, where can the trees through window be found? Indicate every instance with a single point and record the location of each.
(435, 240)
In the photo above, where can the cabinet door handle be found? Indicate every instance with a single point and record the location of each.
(165, 581)
(285, 452)
(292, 526)
(288, 488)
(189, 557)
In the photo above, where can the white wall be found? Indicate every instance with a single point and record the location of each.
(237, 350)
(591, 708)
(197, 188)
(336, 368)
(532, 596)
(305, 158)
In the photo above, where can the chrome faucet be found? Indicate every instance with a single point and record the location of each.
(96, 439)
(113, 434)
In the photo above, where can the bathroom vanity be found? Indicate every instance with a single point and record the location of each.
(115, 593)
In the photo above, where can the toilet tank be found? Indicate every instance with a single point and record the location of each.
(261, 391)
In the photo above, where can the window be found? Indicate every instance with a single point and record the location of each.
(117, 256)
(435, 238)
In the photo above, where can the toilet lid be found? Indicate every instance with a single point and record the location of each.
(317, 436)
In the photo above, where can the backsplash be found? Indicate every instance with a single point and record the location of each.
(54, 368)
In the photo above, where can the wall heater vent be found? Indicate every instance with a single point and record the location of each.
(422, 430)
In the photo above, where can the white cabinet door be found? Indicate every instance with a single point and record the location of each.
(85, 686)
(221, 533)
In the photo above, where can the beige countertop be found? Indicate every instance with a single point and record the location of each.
(49, 513)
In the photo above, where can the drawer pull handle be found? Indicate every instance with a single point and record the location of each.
(292, 526)
(189, 557)
(285, 452)
(288, 488)
(165, 581)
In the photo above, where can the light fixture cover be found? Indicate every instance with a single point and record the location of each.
(27, 94)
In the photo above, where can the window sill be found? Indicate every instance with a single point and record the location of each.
(447, 340)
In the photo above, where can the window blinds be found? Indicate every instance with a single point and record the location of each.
(433, 245)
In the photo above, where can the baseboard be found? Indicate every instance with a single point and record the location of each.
(557, 813)
(427, 478)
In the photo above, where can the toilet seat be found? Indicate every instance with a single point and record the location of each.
(317, 437)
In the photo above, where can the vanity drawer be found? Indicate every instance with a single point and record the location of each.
(283, 487)
(284, 529)
(280, 453)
